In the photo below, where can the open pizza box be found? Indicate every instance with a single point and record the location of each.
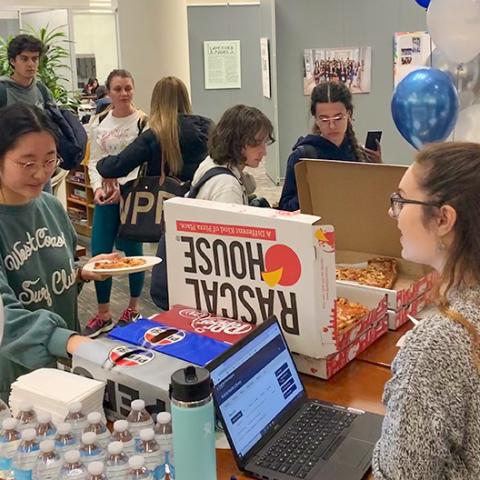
(250, 263)
(325, 368)
(354, 198)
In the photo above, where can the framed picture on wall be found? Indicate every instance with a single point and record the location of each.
(349, 65)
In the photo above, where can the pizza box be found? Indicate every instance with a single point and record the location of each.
(325, 368)
(397, 318)
(354, 198)
(250, 263)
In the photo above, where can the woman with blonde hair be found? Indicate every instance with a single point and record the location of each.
(176, 139)
(431, 429)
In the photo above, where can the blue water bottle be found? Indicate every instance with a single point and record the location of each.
(193, 423)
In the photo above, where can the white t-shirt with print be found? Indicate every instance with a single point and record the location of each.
(110, 137)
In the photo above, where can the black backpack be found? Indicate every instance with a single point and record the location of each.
(213, 172)
(72, 137)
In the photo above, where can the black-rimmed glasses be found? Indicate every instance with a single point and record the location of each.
(397, 202)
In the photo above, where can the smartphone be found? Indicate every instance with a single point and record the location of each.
(371, 140)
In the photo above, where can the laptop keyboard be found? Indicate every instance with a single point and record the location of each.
(304, 442)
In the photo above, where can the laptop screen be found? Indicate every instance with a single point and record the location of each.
(254, 386)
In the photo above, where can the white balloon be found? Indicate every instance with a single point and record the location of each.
(455, 28)
(467, 128)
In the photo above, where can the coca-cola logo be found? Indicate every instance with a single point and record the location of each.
(220, 325)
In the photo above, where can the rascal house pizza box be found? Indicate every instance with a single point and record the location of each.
(251, 263)
(355, 198)
(325, 368)
(397, 318)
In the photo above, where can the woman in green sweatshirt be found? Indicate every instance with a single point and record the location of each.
(38, 276)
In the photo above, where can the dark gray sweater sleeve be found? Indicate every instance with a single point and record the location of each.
(429, 402)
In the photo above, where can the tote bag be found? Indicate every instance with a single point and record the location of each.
(141, 204)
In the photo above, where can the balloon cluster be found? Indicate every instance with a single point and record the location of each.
(425, 104)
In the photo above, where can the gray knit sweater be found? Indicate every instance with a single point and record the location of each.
(432, 427)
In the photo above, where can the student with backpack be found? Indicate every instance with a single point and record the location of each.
(332, 137)
(110, 132)
(24, 55)
(239, 140)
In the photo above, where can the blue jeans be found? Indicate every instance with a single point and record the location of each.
(106, 221)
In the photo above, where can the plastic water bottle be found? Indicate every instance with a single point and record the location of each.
(65, 440)
(138, 418)
(45, 428)
(4, 411)
(49, 463)
(122, 434)
(164, 438)
(149, 449)
(76, 419)
(117, 462)
(73, 468)
(9, 442)
(96, 471)
(26, 416)
(138, 470)
(96, 425)
(26, 455)
(90, 450)
(193, 422)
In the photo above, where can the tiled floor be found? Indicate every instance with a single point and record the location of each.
(87, 306)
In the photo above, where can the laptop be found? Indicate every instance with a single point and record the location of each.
(275, 432)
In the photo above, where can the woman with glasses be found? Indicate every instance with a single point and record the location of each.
(332, 137)
(38, 276)
(431, 429)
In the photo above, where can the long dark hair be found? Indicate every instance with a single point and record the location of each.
(20, 119)
(331, 92)
(236, 129)
(451, 176)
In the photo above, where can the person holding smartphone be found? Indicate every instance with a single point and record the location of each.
(332, 137)
(110, 132)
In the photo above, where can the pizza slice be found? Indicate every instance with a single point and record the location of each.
(119, 263)
(349, 313)
(379, 272)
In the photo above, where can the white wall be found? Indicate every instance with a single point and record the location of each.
(153, 43)
(97, 33)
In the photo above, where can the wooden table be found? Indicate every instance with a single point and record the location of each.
(359, 385)
(383, 351)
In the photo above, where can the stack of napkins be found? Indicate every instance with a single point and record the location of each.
(52, 391)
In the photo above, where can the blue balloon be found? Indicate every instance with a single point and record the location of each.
(425, 106)
(423, 3)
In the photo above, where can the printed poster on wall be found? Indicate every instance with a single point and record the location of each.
(350, 65)
(222, 64)
(411, 50)
(265, 59)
